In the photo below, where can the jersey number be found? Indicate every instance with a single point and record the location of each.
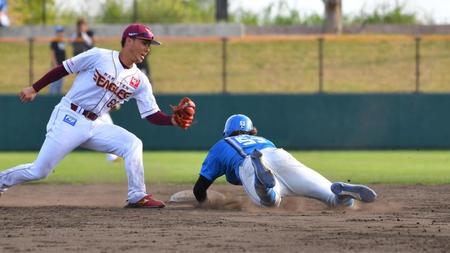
(112, 103)
(247, 140)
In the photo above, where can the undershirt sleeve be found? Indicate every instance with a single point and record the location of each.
(200, 188)
(55, 74)
(160, 118)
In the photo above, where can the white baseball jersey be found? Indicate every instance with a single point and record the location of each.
(102, 82)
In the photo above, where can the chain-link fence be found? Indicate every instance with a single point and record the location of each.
(289, 64)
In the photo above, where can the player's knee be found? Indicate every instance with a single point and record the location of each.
(135, 144)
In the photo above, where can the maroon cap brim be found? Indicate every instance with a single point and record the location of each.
(155, 42)
(152, 42)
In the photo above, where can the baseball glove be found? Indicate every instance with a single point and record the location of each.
(183, 113)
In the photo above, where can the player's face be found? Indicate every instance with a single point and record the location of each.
(139, 49)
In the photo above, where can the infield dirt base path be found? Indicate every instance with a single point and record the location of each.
(90, 218)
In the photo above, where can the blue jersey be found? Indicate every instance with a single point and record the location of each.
(225, 157)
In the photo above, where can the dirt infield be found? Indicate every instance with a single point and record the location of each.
(90, 218)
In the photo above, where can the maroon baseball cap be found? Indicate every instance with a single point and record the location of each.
(140, 31)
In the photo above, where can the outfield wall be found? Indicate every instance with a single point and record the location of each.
(315, 121)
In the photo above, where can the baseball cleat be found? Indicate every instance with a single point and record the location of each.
(2, 190)
(263, 174)
(147, 202)
(359, 192)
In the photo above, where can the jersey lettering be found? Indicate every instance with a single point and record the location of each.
(104, 83)
(246, 140)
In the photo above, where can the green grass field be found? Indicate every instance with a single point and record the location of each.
(281, 65)
(391, 167)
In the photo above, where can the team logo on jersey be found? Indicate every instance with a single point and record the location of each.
(104, 82)
(70, 120)
(134, 82)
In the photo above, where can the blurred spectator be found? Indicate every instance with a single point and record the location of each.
(4, 19)
(57, 56)
(83, 39)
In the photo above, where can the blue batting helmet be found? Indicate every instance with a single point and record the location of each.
(237, 122)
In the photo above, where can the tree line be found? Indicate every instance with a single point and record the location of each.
(278, 13)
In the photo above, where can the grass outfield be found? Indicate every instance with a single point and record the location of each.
(390, 167)
(367, 63)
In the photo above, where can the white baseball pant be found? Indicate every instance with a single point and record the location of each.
(106, 118)
(67, 130)
(292, 178)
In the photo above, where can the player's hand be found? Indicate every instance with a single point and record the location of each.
(27, 94)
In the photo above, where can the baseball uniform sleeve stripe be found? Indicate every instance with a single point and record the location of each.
(66, 66)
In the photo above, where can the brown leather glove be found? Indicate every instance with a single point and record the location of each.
(183, 113)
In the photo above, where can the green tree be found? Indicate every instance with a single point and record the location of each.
(177, 11)
(280, 14)
(387, 14)
(31, 12)
(244, 16)
(115, 12)
(160, 11)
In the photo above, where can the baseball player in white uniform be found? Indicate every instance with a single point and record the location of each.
(104, 78)
(268, 173)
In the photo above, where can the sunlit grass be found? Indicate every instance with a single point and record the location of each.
(277, 65)
(391, 167)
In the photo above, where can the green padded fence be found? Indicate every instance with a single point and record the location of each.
(315, 121)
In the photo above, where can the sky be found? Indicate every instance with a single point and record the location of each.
(438, 10)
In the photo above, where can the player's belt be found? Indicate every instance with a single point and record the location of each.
(89, 115)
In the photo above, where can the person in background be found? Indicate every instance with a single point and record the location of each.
(57, 56)
(83, 39)
(4, 19)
